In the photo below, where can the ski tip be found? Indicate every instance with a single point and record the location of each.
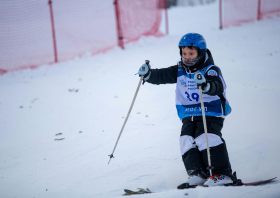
(140, 191)
(260, 182)
(128, 191)
(272, 178)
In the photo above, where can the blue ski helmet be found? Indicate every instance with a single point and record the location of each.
(193, 39)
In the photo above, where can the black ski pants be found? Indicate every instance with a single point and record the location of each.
(194, 148)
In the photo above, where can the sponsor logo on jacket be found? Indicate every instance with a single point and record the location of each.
(212, 73)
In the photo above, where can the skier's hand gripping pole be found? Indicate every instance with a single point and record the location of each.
(141, 79)
(198, 77)
(145, 71)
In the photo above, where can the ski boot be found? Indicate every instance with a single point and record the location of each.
(218, 180)
(195, 179)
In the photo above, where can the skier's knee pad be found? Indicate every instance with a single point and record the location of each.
(186, 143)
(213, 140)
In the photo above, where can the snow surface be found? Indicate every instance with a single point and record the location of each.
(87, 99)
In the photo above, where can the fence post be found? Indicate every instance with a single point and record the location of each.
(221, 19)
(259, 10)
(53, 32)
(119, 30)
(2, 71)
(166, 17)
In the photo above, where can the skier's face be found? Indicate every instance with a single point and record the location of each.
(189, 54)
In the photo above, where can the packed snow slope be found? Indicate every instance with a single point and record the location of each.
(59, 123)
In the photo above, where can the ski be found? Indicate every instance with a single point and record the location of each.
(238, 183)
(186, 186)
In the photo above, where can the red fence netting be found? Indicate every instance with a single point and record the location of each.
(235, 12)
(139, 13)
(35, 33)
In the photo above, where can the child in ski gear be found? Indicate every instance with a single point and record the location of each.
(197, 59)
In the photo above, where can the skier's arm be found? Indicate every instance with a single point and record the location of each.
(213, 77)
(163, 76)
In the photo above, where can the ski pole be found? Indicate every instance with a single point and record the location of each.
(142, 77)
(199, 76)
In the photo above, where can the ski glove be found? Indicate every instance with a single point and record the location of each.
(201, 81)
(145, 70)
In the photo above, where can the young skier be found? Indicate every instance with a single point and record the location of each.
(195, 59)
